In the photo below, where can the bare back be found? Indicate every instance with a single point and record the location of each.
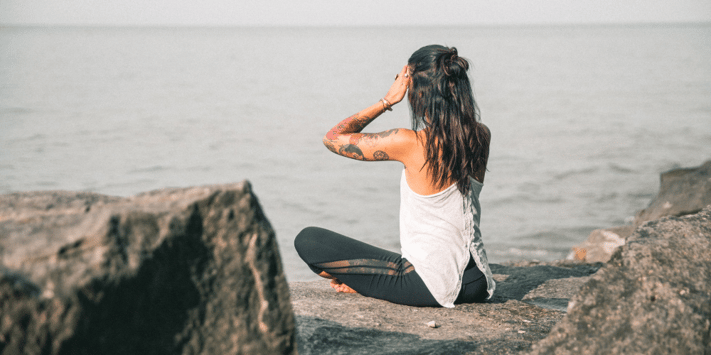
(417, 174)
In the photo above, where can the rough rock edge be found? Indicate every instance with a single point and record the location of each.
(50, 319)
(682, 191)
(653, 296)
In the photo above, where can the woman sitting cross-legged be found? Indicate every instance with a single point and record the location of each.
(443, 260)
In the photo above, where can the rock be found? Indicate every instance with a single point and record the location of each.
(653, 296)
(338, 323)
(681, 192)
(175, 271)
(601, 244)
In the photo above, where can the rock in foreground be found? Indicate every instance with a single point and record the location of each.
(530, 298)
(653, 297)
(179, 271)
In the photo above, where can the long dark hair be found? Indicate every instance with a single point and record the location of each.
(441, 100)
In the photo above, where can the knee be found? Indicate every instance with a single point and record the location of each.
(305, 237)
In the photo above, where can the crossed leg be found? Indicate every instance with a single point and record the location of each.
(354, 266)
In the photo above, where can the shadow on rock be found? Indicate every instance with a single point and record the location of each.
(320, 336)
(529, 300)
(548, 285)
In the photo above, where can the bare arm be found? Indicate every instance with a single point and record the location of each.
(346, 138)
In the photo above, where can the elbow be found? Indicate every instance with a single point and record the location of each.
(329, 144)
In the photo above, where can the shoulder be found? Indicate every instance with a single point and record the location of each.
(407, 134)
(402, 140)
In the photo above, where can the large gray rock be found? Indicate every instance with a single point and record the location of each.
(653, 297)
(681, 192)
(529, 300)
(175, 271)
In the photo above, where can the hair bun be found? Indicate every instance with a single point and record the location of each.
(452, 64)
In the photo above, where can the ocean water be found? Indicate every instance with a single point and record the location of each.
(583, 120)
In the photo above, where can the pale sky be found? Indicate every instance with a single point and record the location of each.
(351, 13)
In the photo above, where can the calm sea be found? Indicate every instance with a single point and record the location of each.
(583, 120)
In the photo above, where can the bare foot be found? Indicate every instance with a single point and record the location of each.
(336, 284)
(341, 287)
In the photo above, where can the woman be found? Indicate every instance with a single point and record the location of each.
(443, 261)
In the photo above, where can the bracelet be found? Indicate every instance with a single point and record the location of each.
(386, 105)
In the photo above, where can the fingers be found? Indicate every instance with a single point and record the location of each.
(399, 87)
(402, 73)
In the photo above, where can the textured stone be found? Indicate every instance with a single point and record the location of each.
(601, 244)
(681, 192)
(175, 271)
(337, 323)
(653, 296)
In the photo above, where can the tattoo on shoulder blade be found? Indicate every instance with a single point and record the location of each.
(380, 155)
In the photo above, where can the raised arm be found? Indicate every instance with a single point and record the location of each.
(346, 138)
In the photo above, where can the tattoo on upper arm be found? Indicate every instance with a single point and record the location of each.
(380, 155)
(386, 133)
(371, 139)
(330, 146)
(355, 138)
(353, 125)
(351, 151)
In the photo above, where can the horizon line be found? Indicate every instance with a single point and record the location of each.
(310, 26)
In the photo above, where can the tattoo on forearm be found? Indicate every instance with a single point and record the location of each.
(380, 155)
(353, 124)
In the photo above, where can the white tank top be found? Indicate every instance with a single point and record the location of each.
(438, 233)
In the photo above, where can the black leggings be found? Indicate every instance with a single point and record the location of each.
(376, 272)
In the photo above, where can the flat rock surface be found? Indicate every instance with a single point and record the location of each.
(530, 299)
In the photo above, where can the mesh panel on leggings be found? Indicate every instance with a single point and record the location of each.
(366, 267)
